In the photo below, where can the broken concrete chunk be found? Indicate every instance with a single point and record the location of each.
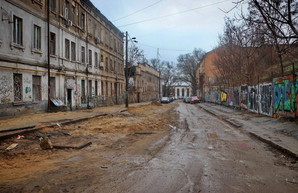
(46, 143)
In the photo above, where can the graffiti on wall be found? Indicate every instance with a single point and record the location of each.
(265, 99)
(253, 98)
(28, 88)
(244, 96)
(5, 89)
(286, 95)
(223, 96)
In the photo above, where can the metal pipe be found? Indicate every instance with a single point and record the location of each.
(49, 77)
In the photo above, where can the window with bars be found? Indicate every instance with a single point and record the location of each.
(18, 87)
(17, 30)
(52, 43)
(73, 51)
(37, 37)
(66, 48)
(36, 85)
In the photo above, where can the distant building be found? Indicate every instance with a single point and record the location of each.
(144, 83)
(206, 74)
(86, 56)
(182, 91)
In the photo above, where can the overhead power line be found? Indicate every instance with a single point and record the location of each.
(137, 11)
(169, 15)
(166, 49)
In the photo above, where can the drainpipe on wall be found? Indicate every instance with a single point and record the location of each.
(48, 41)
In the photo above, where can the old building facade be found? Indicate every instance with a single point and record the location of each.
(182, 91)
(85, 61)
(144, 83)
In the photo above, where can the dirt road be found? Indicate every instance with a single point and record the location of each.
(170, 148)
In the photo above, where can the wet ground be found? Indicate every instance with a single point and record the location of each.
(175, 147)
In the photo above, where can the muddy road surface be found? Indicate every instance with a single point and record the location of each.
(170, 148)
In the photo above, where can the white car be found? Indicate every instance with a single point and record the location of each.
(165, 100)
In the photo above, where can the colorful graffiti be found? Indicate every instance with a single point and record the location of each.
(223, 96)
(280, 98)
(286, 96)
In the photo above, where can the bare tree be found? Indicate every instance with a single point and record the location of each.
(188, 65)
(169, 77)
(277, 20)
(135, 55)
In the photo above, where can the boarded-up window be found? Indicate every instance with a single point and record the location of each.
(36, 85)
(17, 87)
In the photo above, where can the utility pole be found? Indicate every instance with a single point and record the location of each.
(157, 60)
(48, 41)
(126, 69)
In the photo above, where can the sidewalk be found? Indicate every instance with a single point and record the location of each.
(48, 119)
(279, 133)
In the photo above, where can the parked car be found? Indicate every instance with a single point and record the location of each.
(186, 99)
(165, 100)
(194, 100)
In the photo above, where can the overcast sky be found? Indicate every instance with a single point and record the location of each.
(174, 26)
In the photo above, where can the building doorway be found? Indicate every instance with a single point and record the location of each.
(69, 99)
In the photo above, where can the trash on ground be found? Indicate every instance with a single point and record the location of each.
(20, 137)
(105, 167)
(210, 148)
(11, 147)
(173, 127)
(46, 143)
